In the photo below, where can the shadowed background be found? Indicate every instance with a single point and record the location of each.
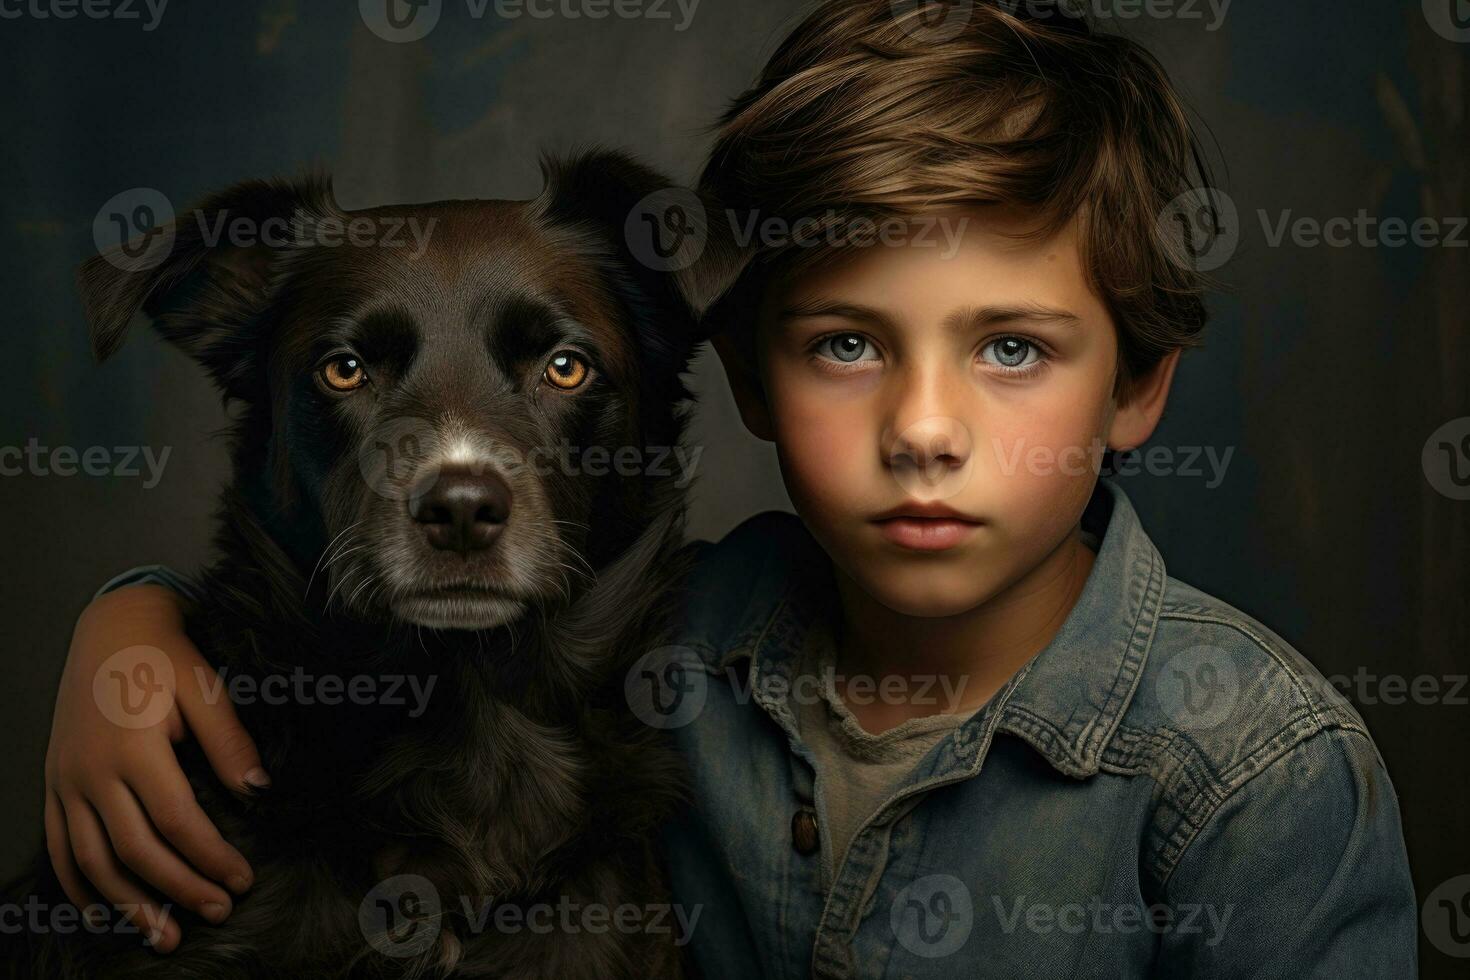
(1325, 372)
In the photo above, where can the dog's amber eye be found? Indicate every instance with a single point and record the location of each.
(566, 371)
(343, 373)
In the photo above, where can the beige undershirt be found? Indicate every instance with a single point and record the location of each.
(856, 771)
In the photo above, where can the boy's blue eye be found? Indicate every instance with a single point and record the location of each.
(1011, 352)
(845, 347)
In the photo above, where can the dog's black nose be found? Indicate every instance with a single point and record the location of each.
(462, 510)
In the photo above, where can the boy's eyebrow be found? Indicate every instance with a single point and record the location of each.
(970, 317)
(964, 318)
(822, 307)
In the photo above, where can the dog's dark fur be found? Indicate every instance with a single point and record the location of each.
(527, 779)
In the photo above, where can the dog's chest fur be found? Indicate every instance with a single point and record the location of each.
(476, 780)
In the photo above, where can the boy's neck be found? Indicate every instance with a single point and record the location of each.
(968, 657)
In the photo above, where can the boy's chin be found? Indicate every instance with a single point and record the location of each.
(928, 593)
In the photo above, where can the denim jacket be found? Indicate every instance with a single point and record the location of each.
(1166, 790)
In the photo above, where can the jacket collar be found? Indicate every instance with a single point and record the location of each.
(1065, 702)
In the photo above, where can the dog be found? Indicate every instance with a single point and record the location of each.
(414, 497)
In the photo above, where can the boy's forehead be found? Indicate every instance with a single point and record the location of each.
(977, 255)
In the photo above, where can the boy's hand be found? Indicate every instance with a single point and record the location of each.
(120, 815)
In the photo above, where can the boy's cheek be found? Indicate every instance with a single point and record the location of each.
(828, 473)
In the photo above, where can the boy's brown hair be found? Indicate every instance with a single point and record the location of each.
(880, 109)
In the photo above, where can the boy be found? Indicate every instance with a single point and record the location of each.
(1074, 765)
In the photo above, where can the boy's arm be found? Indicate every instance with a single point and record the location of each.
(121, 818)
(1301, 872)
(151, 575)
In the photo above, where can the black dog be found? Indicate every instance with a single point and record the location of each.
(428, 493)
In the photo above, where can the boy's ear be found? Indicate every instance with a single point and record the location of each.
(1134, 419)
(745, 383)
(206, 281)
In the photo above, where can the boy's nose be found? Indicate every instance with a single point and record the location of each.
(930, 458)
(931, 442)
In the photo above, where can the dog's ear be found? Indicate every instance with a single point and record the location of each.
(674, 258)
(206, 281)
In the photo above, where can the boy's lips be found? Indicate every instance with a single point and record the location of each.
(925, 526)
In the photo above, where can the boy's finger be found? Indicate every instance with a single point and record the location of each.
(210, 716)
(138, 846)
(58, 848)
(165, 793)
(93, 853)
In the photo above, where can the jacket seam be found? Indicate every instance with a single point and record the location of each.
(1152, 600)
(1264, 645)
(1276, 748)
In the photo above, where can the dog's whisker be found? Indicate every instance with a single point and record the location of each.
(367, 580)
(327, 550)
(346, 576)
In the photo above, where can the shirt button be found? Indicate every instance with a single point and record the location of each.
(804, 832)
